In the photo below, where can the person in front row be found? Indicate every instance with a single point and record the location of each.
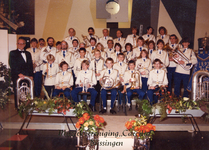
(97, 65)
(157, 78)
(182, 75)
(63, 81)
(130, 86)
(85, 81)
(50, 70)
(112, 73)
(144, 65)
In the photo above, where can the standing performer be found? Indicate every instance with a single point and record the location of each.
(137, 50)
(63, 81)
(151, 47)
(69, 39)
(21, 65)
(37, 76)
(157, 78)
(128, 53)
(110, 48)
(120, 39)
(182, 75)
(132, 38)
(87, 38)
(86, 80)
(149, 36)
(163, 35)
(50, 70)
(114, 55)
(103, 40)
(92, 46)
(112, 73)
(41, 43)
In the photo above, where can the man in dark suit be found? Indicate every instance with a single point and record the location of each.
(21, 65)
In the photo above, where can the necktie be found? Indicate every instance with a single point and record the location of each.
(134, 36)
(162, 36)
(110, 49)
(63, 53)
(109, 71)
(157, 71)
(63, 73)
(118, 39)
(71, 37)
(159, 52)
(85, 71)
(140, 49)
(172, 45)
(148, 35)
(184, 50)
(50, 47)
(131, 71)
(105, 38)
(151, 51)
(50, 65)
(120, 64)
(117, 54)
(127, 53)
(34, 50)
(144, 60)
(92, 48)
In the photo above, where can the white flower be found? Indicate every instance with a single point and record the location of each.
(185, 98)
(86, 128)
(93, 129)
(36, 102)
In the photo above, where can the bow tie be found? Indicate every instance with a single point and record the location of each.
(22, 51)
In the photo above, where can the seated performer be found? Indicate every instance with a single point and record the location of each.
(103, 40)
(87, 39)
(114, 55)
(58, 46)
(110, 48)
(132, 38)
(149, 36)
(69, 39)
(74, 49)
(121, 66)
(157, 78)
(65, 55)
(112, 73)
(137, 50)
(144, 65)
(128, 53)
(132, 86)
(63, 81)
(37, 75)
(160, 54)
(100, 47)
(182, 75)
(120, 40)
(151, 47)
(50, 71)
(97, 65)
(78, 61)
(85, 81)
(163, 35)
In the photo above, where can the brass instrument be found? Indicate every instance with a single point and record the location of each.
(24, 90)
(85, 38)
(85, 85)
(179, 56)
(134, 80)
(200, 89)
(108, 83)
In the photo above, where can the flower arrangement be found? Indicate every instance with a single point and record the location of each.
(140, 128)
(40, 105)
(5, 85)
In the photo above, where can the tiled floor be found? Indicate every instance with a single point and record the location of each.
(52, 140)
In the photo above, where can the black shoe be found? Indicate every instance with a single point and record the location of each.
(94, 109)
(103, 111)
(91, 107)
(130, 108)
(112, 111)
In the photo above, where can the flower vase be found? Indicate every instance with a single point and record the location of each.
(86, 139)
(140, 144)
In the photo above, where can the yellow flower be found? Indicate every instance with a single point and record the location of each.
(44, 102)
(86, 124)
(91, 122)
(36, 102)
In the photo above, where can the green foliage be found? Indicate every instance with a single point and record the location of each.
(5, 85)
(144, 109)
(81, 108)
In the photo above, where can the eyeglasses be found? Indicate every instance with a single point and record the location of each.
(21, 43)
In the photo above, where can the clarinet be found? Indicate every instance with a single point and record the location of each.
(95, 65)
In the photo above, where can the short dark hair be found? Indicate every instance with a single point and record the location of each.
(63, 63)
(140, 38)
(120, 32)
(160, 41)
(173, 35)
(129, 44)
(185, 39)
(82, 49)
(85, 62)
(33, 40)
(111, 41)
(75, 40)
(95, 40)
(50, 38)
(151, 41)
(91, 28)
(157, 60)
(131, 62)
(162, 28)
(133, 28)
(151, 28)
(58, 43)
(41, 39)
(109, 59)
(121, 54)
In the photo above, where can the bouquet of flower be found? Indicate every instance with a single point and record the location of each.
(140, 128)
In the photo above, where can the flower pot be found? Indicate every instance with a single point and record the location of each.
(140, 144)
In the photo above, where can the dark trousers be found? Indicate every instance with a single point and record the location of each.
(150, 95)
(49, 89)
(75, 92)
(37, 78)
(178, 79)
(66, 92)
(170, 75)
(104, 97)
(140, 93)
(98, 89)
(144, 84)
